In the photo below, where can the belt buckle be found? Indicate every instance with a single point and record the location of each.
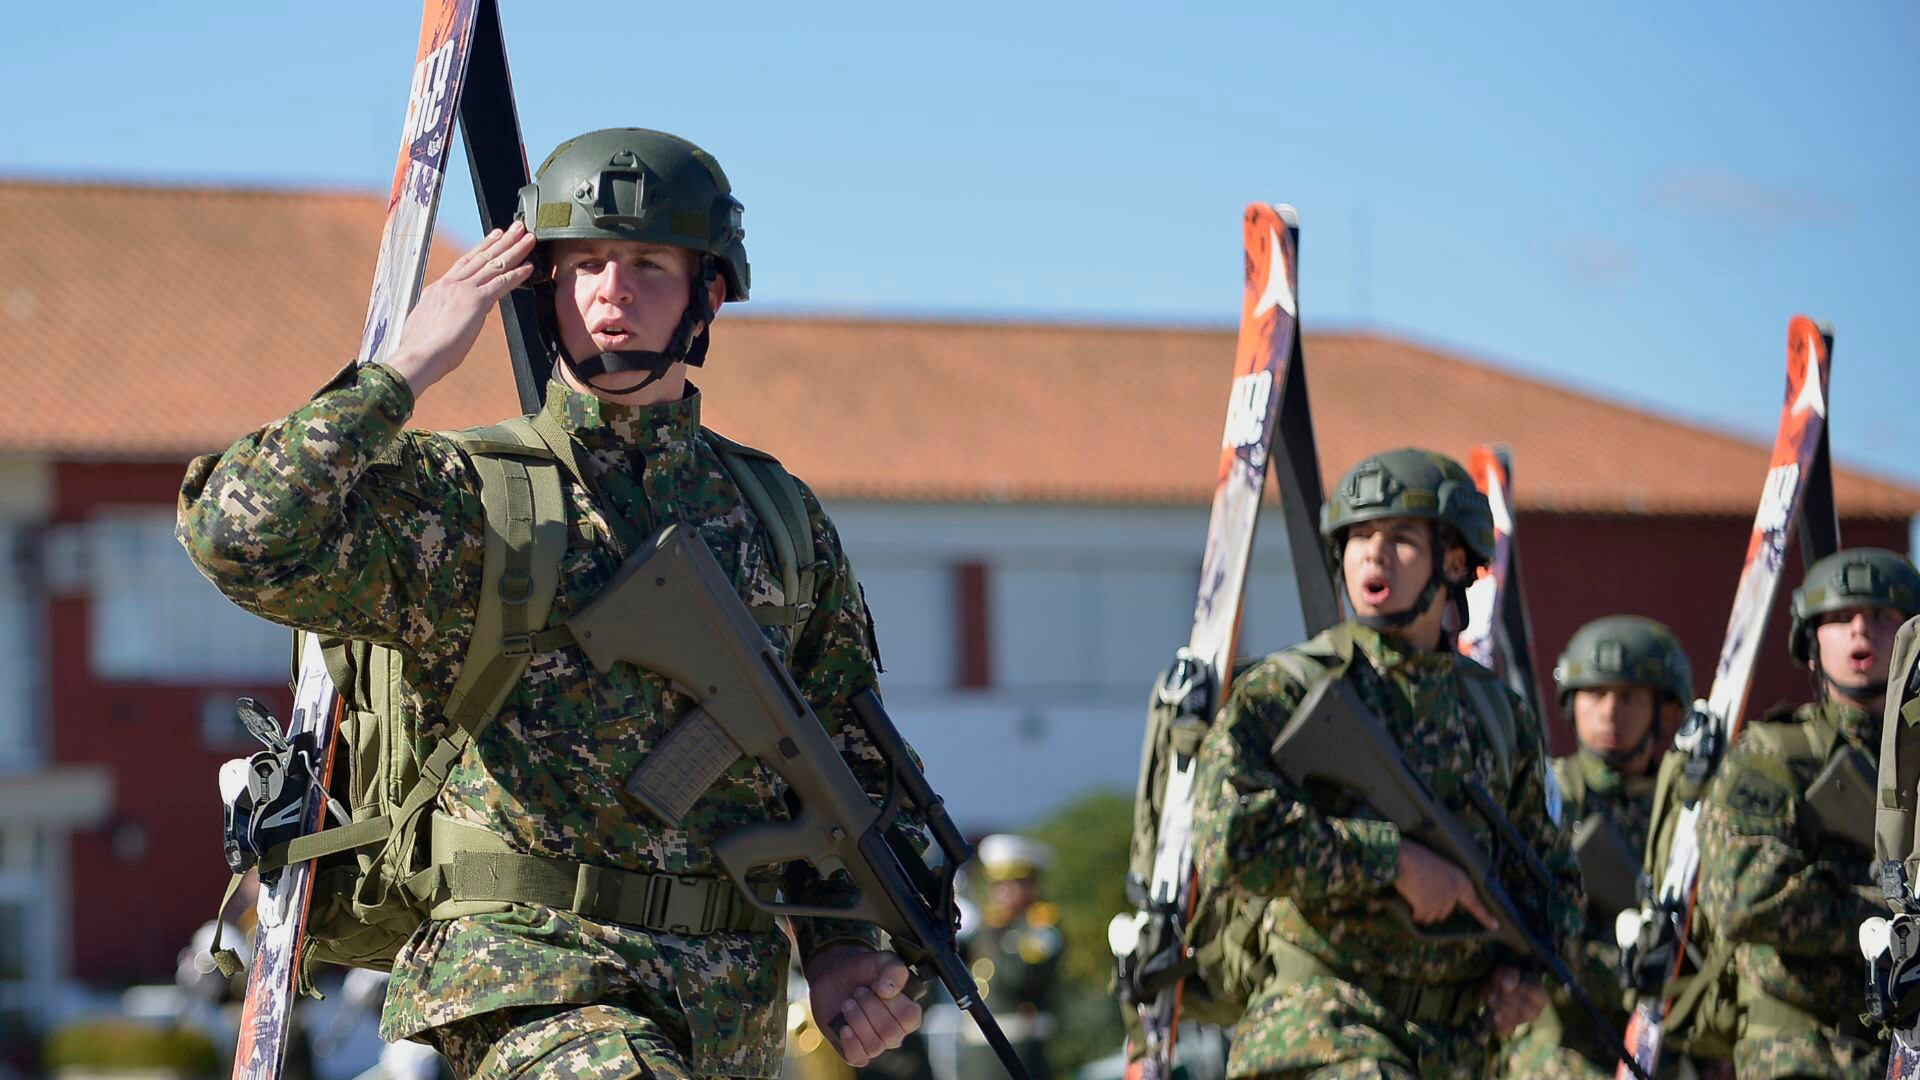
(681, 905)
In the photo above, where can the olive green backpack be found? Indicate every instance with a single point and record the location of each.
(375, 879)
(1708, 1015)
(1228, 957)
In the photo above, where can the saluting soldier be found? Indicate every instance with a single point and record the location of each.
(1350, 990)
(338, 520)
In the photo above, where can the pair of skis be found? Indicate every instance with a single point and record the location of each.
(460, 71)
(1798, 491)
(1268, 415)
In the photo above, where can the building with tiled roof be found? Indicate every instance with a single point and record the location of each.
(1025, 504)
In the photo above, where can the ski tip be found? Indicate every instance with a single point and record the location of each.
(1287, 214)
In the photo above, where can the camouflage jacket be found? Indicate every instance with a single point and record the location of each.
(1789, 905)
(1590, 786)
(336, 520)
(1256, 832)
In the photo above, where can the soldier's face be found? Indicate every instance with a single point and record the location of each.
(1613, 718)
(1387, 562)
(620, 295)
(1854, 646)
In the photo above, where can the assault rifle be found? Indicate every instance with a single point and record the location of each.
(1335, 741)
(670, 609)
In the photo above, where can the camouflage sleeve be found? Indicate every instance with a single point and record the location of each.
(1253, 830)
(1757, 884)
(834, 658)
(1527, 807)
(333, 520)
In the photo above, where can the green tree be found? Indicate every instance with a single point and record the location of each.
(1087, 880)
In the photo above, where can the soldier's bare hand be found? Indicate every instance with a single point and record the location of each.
(1514, 998)
(445, 322)
(1434, 888)
(859, 999)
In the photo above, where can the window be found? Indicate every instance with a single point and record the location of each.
(19, 619)
(154, 618)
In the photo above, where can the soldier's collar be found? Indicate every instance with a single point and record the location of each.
(1604, 779)
(599, 423)
(1859, 725)
(1387, 651)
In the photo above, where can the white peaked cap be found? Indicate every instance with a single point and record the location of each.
(1005, 855)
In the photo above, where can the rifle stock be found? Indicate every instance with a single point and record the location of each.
(671, 610)
(1334, 739)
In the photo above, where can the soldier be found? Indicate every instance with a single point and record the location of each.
(1015, 955)
(338, 521)
(1627, 685)
(1785, 880)
(1351, 990)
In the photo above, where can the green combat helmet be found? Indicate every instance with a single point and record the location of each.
(1855, 578)
(636, 184)
(1412, 483)
(1625, 650)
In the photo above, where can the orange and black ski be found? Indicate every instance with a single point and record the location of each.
(1798, 492)
(1267, 417)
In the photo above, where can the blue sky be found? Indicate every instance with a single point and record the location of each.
(1629, 198)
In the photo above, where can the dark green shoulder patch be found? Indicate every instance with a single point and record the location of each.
(1755, 796)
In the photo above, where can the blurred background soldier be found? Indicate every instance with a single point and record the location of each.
(1015, 955)
(1625, 682)
(1786, 872)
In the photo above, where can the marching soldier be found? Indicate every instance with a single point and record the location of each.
(338, 520)
(1625, 682)
(1350, 989)
(1787, 873)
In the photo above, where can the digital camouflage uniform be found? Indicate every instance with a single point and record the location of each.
(1333, 875)
(1789, 903)
(1616, 811)
(336, 520)
(1560, 1042)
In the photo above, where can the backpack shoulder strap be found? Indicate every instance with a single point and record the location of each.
(526, 538)
(1326, 654)
(774, 497)
(1493, 707)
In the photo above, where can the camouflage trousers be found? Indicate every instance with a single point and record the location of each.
(550, 1042)
(1329, 1029)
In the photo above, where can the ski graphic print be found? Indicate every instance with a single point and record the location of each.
(272, 984)
(1803, 418)
(1499, 635)
(1269, 315)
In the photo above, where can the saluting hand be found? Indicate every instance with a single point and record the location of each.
(859, 999)
(1434, 887)
(446, 321)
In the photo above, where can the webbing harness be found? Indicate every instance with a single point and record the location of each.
(519, 465)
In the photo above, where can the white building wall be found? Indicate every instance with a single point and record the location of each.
(1085, 605)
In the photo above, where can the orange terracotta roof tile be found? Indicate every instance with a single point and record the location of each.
(225, 307)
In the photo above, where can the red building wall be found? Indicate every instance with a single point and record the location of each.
(141, 883)
(1681, 571)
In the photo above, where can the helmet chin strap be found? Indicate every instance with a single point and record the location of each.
(687, 346)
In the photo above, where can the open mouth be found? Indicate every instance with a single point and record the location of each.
(1375, 589)
(1861, 658)
(612, 334)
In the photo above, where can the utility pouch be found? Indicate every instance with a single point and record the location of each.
(1609, 866)
(1840, 799)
